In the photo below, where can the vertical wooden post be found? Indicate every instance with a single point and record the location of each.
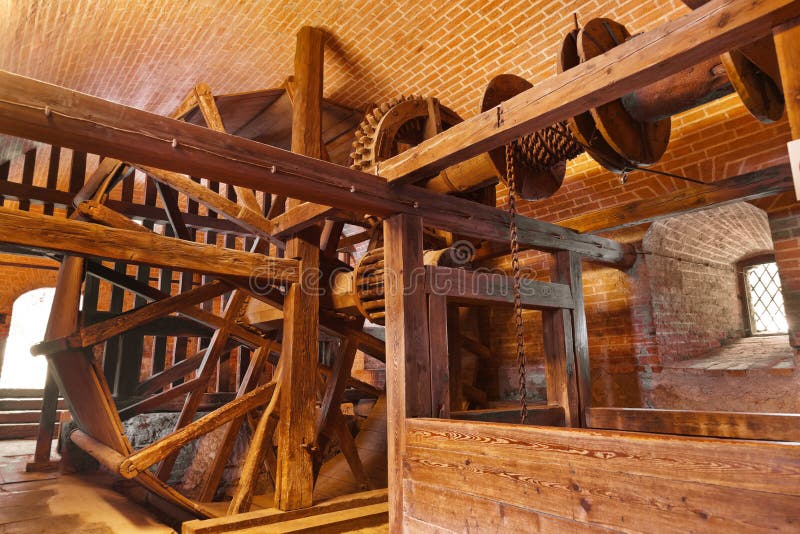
(296, 429)
(309, 59)
(454, 357)
(408, 392)
(47, 419)
(566, 351)
(787, 46)
(440, 374)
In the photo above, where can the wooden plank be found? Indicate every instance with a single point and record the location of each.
(349, 520)
(52, 175)
(758, 466)
(476, 287)
(566, 268)
(269, 516)
(407, 359)
(99, 332)
(300, 217)
(668, 49)
(606, 498)
(786, 37)
(559, 364)
(47, 420)
(454, 358)
(451, 509)
(745, 187)
(739, 425)
(438, 347)
(144, 458)
(537, 415)
(28, 167)
(296, 429)
(86, 239)
(99, 126)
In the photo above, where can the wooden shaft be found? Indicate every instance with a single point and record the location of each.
(680, 92)
(108, 457)
(465, 175)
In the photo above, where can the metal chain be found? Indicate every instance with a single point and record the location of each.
(517, 275)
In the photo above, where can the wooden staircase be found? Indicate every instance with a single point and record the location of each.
(19, 413)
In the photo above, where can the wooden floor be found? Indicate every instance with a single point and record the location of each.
(52, 503)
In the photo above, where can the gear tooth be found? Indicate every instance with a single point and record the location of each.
(353, 156)
(372, 120)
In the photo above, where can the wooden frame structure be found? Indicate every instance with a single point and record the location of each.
(419, 366)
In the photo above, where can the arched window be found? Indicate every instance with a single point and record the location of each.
(28, 323)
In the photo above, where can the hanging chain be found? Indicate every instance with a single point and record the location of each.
(517, 274)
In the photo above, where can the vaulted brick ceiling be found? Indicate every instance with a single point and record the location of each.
(148, 53)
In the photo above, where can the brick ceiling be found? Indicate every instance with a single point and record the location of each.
(148, 53)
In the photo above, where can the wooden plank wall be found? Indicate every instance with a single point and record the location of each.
(44, 180)
(460, 476)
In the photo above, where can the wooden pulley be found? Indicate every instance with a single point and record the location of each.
(533, 183)
(640, 142)
(753, 72)
(583, 126)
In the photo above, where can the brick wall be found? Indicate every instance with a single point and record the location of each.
(785, 227)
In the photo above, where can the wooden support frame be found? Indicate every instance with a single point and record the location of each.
(408, 387)
(296, 432)
(94, 241)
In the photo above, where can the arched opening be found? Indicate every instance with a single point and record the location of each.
(28, 324)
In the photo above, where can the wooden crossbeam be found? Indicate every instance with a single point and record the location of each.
(476, 288)
(739, 425)
(99, 332)
(668, 49)
(750, 186)
(251, 220)
(84, 122)
(167, 376)
(90, 240)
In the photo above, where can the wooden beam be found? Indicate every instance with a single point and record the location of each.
(786, 38)
(248, 219)
(408, 385)
(144, 458)
(94, 241)
(738, 425)
(668, 49)
(483, 288)
(270, 516)
(88, 123)
(438, 347)
(750, 186)
(537, 415)
(300, 217)
(210, 112)
(99, 332)
(104, 215)
(170, 375)
(296, 429)
(566, 268)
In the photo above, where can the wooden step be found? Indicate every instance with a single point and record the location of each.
(17, 404)
(22, 416)
(21, 430)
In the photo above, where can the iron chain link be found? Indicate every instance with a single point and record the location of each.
(517, 275)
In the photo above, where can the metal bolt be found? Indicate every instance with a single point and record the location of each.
(415, 204)
(47, 111)
(174, 143)
(273, 169)
(352, 189)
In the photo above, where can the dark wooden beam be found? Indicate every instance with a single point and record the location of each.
(750, 186)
